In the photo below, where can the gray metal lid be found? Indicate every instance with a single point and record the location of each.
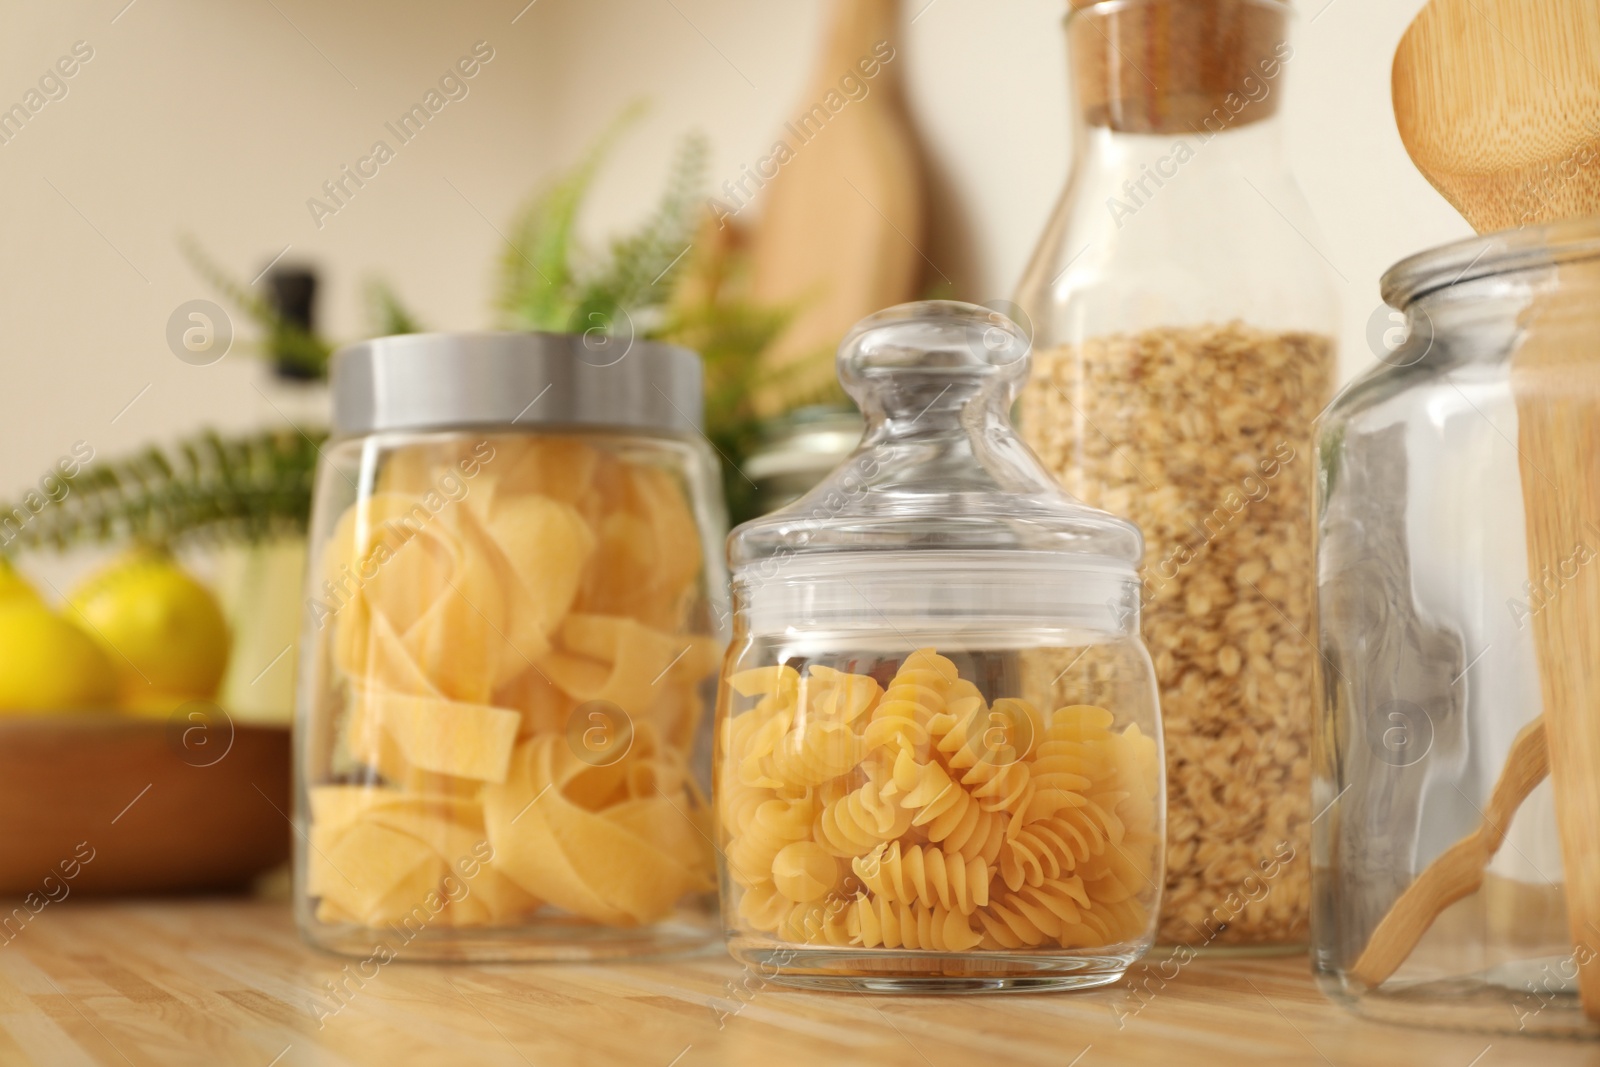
(438, 380)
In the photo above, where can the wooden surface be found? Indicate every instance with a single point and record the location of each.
(229, 982)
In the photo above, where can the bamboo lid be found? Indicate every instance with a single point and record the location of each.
(1178, 66)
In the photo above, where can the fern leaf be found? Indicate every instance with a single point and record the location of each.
(387, 314)
(205, 487)
(643, 266)
(298, 351)
(536, 270)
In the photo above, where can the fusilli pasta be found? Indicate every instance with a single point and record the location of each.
(918, 815)
(925, 874)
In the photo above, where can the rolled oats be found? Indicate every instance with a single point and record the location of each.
(1202, 435)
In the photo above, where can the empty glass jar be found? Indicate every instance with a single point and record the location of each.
(938, 743)
(512, 629)
(1458, 531)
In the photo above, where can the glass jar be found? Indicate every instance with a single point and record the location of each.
(511, 640)
(1183, 340)
(938, 741)
(1455, 562)
(798, 450)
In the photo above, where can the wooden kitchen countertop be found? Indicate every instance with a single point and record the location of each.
(214, 982)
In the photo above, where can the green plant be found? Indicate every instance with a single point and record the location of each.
(387, 315)
(671, 278)
(236, 489)
(300, 352)
(549, 282)
(730, 335)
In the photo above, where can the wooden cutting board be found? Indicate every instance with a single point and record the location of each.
(842, 215)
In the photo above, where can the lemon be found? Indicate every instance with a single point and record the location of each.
(13, 585)
(48, 664)
(162, 630)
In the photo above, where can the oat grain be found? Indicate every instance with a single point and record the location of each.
(1202, 436)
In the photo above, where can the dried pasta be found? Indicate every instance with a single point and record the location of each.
(462, 643)
(918, 815)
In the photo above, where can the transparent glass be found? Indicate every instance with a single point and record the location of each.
(502, 750)
(938, 753)
(1183, 322)
(1456, 591)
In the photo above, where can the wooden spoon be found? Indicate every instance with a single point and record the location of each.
(842, 217)
(1498, 103)
(1458, 872)
(1555, 377)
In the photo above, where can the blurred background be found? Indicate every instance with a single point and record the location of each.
(156, 153)
(195, 145)
(219, 120)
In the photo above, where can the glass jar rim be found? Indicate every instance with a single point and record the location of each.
(1111, 6)
(1489, 255)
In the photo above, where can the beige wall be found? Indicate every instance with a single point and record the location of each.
(220, 118)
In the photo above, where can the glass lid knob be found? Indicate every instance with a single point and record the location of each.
(929, 359)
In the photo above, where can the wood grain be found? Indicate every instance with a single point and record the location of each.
(1178, 66)
(161, 806)
(1459, 870)
(842, 220)
(1555, 376)
(229, 982)
(1498, 103)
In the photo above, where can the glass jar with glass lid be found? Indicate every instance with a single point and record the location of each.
(938, 759)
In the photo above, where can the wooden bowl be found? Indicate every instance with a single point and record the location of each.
(108, 804)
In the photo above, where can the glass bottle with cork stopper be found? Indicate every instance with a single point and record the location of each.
(1184, 319)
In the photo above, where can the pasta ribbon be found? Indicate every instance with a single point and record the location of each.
(561, 837)
(513, 653)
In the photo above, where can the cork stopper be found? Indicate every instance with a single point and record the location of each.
(1178, 66)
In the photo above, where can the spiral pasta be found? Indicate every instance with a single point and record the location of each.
(941, 807)
(925, 874)
(815, 924)
(862, 819)
(772, 825)
(909, 706)
(885, 924)
(917, 815)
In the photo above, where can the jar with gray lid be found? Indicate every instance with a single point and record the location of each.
(514, 615)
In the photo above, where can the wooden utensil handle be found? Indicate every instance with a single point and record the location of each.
(1458, 872)
(1555, 376)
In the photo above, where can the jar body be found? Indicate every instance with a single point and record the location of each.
(1435, 605)
(1183, 346)
(935, 806)
(501, 746)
